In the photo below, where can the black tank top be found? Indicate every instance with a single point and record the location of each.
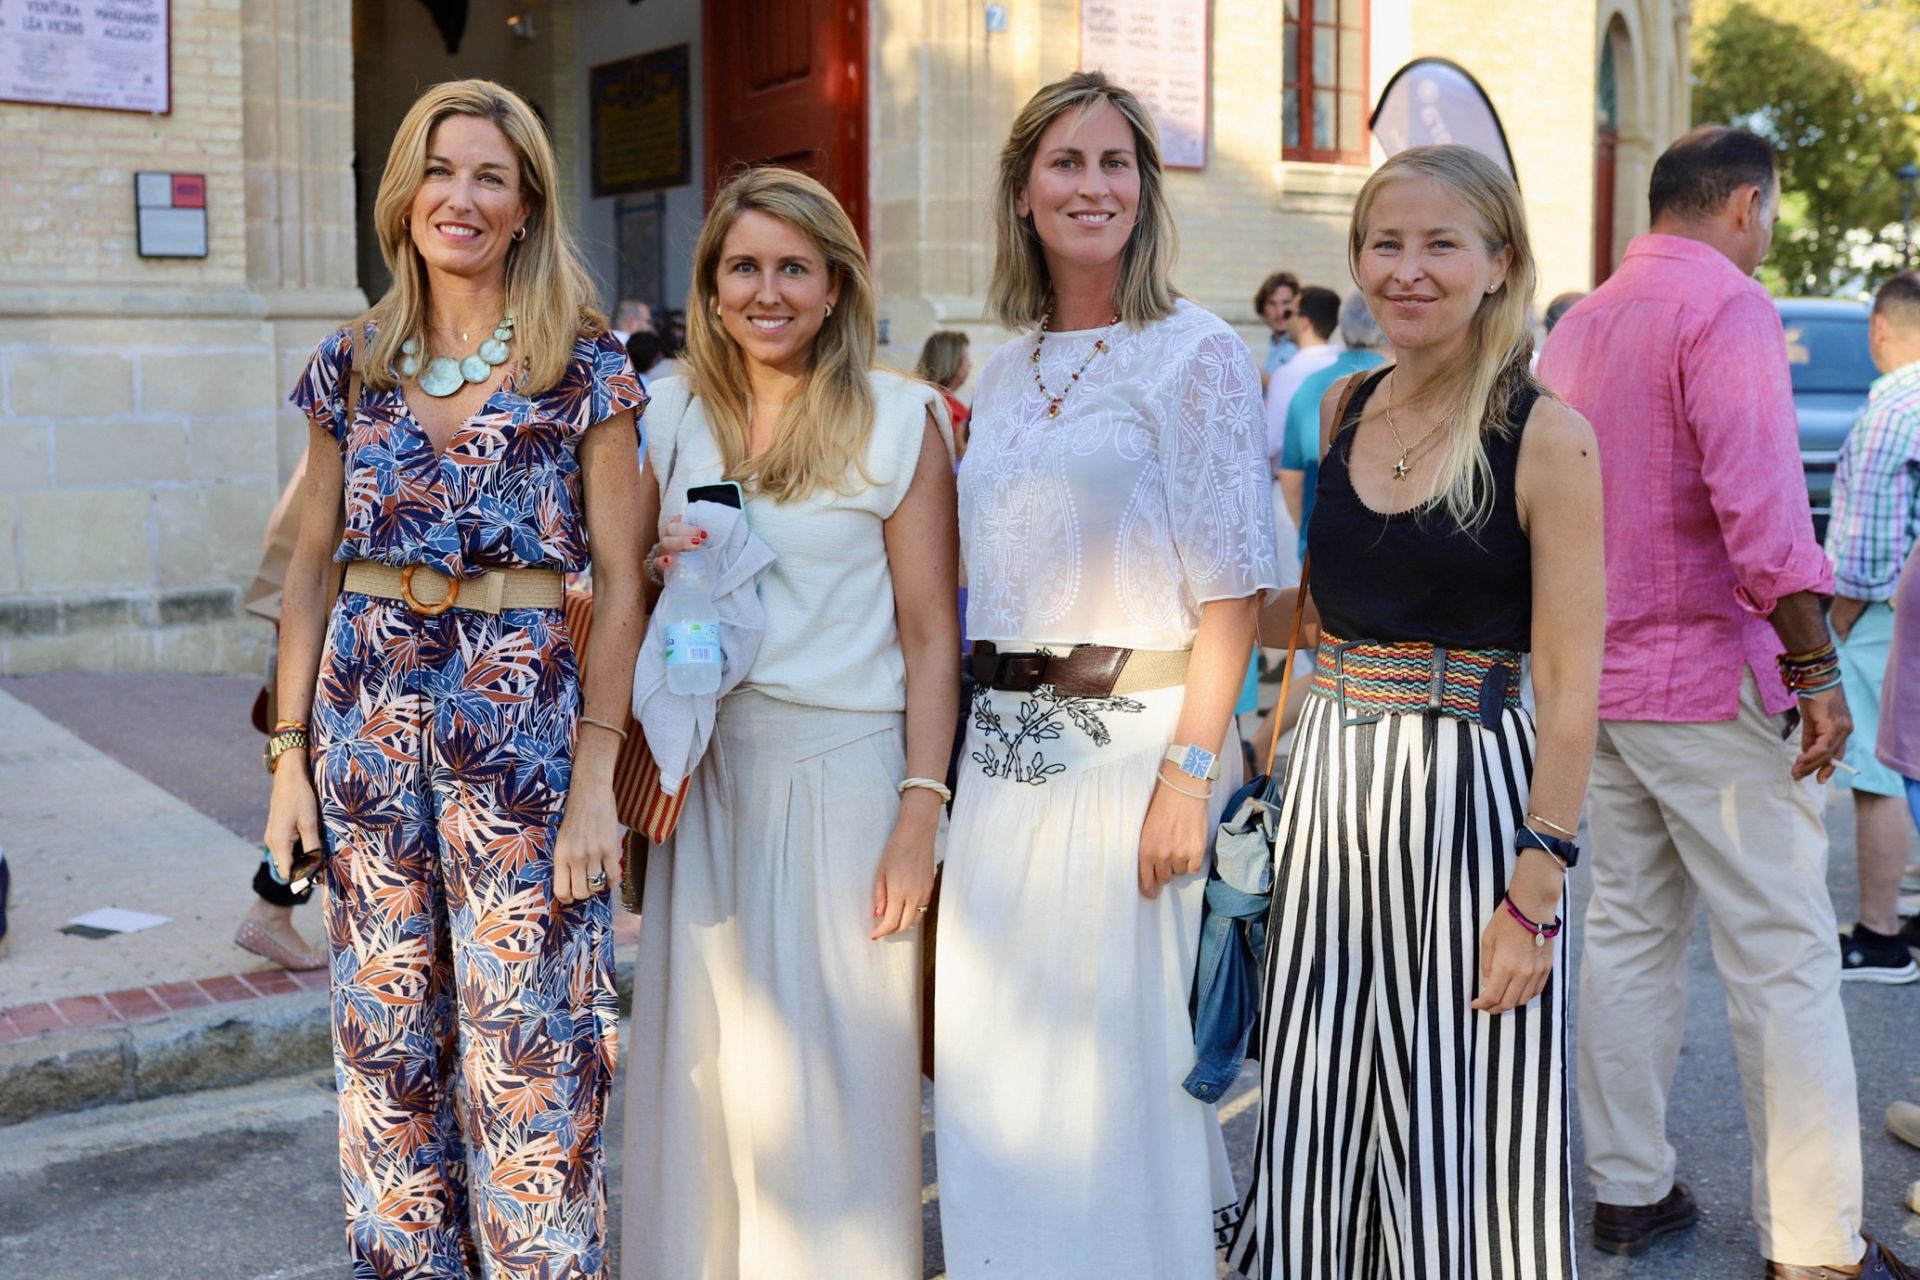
(1418, 575)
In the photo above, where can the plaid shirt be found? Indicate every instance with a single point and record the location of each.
(1876, 490)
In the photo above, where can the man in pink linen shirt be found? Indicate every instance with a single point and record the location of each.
(1699, 794)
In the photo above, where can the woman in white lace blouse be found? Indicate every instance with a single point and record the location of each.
(1118, 534)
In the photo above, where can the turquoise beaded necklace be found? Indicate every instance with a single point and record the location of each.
(444, 375)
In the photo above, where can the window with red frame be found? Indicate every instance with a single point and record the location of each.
(1324, 104)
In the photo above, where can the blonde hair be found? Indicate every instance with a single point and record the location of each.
(1480, 389)
(1021, 290)
(941, 356)
(548, 290)
(823, 431)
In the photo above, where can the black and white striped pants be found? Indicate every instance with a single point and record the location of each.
(1404, 1135)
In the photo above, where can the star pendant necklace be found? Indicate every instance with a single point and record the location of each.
(1401, 468)
(1099, 345)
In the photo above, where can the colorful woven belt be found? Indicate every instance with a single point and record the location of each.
(1374, 678)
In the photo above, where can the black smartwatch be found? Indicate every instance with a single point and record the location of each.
(1565, 852)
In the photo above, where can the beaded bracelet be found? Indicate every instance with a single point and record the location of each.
(1540, 932)
(1815, 671)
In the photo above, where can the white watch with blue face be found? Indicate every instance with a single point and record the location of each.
(1195, 762)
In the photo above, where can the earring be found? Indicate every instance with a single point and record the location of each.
(829, 310)
(716, 309)
(521, 233)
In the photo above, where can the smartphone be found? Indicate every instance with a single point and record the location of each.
(727, 493)
(306, 868)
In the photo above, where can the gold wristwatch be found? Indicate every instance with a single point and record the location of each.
(282, 741)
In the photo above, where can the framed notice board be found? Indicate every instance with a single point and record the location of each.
(641, 240)
(1158, 49)
(641, 113)
(110, 54)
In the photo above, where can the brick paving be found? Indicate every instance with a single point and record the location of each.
(140, 1004)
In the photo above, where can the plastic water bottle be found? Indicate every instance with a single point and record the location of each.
(693, 625)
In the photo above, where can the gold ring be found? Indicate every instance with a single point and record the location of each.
(921, 910)
(413, 601)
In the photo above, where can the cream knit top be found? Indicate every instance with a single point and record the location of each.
(831, 638)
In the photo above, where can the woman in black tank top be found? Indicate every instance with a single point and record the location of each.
(1415, 1117)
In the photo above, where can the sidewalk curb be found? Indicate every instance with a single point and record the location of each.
(194, 1049)
(183, 1052)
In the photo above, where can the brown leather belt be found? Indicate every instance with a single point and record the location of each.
(430, 593)
(1085, 671)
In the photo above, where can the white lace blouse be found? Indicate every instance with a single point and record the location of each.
(1146, 498)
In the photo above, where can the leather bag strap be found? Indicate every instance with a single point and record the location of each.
(1300, 598)
(1286, 672)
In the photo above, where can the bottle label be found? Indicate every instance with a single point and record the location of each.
(693, 643)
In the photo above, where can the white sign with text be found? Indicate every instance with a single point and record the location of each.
(1158, 49)
(86, 53)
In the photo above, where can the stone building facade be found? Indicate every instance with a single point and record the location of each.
(143, 423)
(140, 436)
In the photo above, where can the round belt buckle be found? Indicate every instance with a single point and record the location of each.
(413, 602)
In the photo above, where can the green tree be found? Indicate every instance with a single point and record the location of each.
(1832, 84)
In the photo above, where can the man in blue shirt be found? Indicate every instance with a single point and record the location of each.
(1299, 468)
(1876, 519)
(1273, 303)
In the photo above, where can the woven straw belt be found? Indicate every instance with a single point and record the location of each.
(429, 592)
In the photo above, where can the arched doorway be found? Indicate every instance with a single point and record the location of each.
(1620, 138)
(1605, 152)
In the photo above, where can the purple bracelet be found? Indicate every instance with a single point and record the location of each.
(1540, 932)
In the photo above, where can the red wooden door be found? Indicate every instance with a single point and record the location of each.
(787, 84)
(1603, 191)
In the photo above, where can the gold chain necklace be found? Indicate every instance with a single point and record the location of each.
(1099, 344)
(1400, 468)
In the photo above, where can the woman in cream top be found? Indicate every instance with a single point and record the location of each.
(831, 637)
(773, 1119)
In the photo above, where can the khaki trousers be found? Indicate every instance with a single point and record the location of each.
(1690, 813)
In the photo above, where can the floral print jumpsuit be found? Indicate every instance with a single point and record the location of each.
(474, 1017)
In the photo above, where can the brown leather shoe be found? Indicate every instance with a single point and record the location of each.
(1632, 1228)
(1877, 1264)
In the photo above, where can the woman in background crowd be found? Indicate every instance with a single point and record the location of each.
(944, 362)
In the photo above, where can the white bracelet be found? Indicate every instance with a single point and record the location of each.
(934, 785)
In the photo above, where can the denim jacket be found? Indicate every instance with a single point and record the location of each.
(1233, 939)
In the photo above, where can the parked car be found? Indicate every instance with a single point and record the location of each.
(1832, 368)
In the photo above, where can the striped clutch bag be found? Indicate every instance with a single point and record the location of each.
(638, 800)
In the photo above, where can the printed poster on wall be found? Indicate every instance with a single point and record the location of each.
(640, 109)
(1158, 49)
(111, 54)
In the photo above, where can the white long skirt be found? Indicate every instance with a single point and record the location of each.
(1067, 1147)
(773, 1104)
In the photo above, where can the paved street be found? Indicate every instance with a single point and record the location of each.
(241, 1184)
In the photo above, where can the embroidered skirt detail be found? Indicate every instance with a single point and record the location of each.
(773, 1120)
(1404, 1135)
(1068, 1149)
(1372, 678)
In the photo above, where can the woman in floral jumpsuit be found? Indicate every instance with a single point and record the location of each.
(460, 772)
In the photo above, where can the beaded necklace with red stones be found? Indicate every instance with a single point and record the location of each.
(1099, 344)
